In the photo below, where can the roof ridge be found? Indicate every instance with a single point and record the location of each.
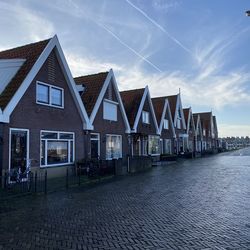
(24, 46)
(132, 90)
(103, 72)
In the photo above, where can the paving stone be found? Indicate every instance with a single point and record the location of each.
(195, 204)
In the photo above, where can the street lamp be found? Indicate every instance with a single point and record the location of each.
(248, 13)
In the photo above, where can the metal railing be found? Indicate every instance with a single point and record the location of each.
(41, 182)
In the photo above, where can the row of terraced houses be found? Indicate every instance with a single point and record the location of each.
(56, 120)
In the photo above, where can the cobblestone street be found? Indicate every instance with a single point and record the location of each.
(195, 204)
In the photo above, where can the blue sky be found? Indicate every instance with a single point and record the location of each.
(201, 47)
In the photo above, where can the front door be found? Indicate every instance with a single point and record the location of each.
(19, 150)
(95, 145)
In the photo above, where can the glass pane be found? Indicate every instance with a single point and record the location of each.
(137, 147)
(94, 149)
(145, 145)
(109, 111)
(66, 136)
(154, 145)
(49, 135)
(57, 152)
(42, 94)
(94, 137)
(42, 152)
(71, 152)
(56, 97)
(113, 147)
(18, 150)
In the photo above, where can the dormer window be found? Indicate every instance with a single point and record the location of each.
(165, 124)
(49, 95)
(145, 117)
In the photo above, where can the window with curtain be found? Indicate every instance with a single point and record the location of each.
(113, 147)
(153, 144)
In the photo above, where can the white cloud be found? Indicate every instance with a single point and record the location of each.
(213, 92)
(23, 23)
(88, 65)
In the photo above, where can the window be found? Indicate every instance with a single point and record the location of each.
(165, 124)
(110, 110)
(145, 145)
(57, 148)
(49, 95)
(95, 145)
(137, 147)
(42, 93)
(56, 97)
(153, 145)
(166, 146)
(113, 147)
(145, 117)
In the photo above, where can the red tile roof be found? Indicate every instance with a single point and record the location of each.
(172, 104)
(172, 100)
(93, 85)
(186, 114)
(131, 101)
(158, 103)
(31, 53)
(205, 118)
(195, 117)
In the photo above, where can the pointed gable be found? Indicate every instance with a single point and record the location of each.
(131, 100)
(93, 92)
(176, 106)
(205, 118)
(158, 103)
(172, 100)
(197, 124)
(162, 111)
(135, 101)
(206, 122)
(30, 53)
(35, 56)
(92, 85)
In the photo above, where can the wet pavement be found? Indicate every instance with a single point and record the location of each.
(195, 204)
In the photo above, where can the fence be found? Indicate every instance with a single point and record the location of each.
(40, 182)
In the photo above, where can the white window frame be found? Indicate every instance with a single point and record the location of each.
(50, 98)
(46, 153)
(98, 139)
(145, 117)
(28, 144)
(106, 146)
(110, 102)
(165, 124)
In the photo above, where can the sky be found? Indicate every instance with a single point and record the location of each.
(200, 47)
